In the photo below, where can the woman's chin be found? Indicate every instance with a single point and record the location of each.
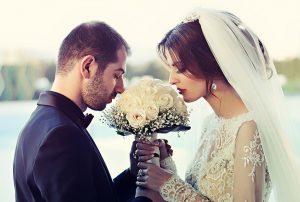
(188, 100)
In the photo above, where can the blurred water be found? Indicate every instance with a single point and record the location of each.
(114, 148)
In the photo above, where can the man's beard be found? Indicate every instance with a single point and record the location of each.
(95, 94)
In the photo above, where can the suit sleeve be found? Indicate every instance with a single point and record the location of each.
(124, 186)
(63, 165)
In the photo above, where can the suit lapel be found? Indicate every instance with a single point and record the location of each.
(98, 154)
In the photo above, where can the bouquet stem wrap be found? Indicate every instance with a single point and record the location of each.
(155, 159)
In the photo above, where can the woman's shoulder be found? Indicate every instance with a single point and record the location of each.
(243, 122)
(248, 129)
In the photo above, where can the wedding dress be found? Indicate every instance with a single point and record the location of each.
(228, 166)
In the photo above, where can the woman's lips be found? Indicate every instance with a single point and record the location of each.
(181, 91)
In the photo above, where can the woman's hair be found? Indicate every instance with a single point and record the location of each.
(187, 45)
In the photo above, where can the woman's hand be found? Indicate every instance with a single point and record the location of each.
(145, 151)
(164, 148)
(151, 176)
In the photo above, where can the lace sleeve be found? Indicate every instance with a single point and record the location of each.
(177, 190)
(169, 164)
(249, 164)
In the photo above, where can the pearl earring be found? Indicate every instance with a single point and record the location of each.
(213, 86)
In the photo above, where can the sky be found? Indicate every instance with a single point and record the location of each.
(39, 26)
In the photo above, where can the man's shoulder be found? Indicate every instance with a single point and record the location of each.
(45, 119)
(54, 124)
(45, 122)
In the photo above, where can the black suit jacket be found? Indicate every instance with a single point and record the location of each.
(57, 160)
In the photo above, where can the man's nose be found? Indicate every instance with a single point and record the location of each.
(120, 86)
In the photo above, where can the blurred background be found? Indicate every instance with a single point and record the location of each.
(32, 30)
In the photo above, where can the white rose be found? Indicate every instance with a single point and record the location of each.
(165, 101)
(148, 88)
(166, 89)
(136, 118)
(129, 103)
(165, 96)
(151, 111)
(146, 93)
(180, 105)
(122, 101)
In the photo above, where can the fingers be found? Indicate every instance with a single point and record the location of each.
(144, 151)
(142, 184)
(144, 146)
(170, 151)
(141, 152)
(158, 142)
(146, 167)
(144, 155)
(145, 158)
(143, 165)
(168, 147)
(142, 178)
(142, 173)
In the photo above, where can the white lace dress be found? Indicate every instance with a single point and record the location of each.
(228, 166)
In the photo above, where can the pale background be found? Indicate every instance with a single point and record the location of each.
(37, 28)
(40, 25)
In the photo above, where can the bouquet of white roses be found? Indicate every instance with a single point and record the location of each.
(150, 106)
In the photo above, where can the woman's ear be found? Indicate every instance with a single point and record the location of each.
(86, 66)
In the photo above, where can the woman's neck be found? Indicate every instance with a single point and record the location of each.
(225, 102)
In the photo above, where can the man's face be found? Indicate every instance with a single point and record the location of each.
(104, 86)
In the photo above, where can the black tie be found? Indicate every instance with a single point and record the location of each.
(87, 120)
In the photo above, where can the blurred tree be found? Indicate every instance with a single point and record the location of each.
(290, 68)
(9, 91)
(153, 68)
(25, 79)
(50, 71)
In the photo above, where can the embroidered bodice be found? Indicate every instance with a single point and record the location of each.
(228, 166)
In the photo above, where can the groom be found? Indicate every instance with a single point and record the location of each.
(56, 159)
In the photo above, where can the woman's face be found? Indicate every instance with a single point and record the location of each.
(190, 87)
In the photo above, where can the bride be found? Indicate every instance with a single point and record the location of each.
(246, 147)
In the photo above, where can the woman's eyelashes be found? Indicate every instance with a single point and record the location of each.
(179, 71)
(179, 67)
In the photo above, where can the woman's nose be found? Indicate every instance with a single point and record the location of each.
(172, 78)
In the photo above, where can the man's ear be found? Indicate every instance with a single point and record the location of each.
(87, 66)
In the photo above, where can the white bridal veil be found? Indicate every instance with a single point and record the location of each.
(252, 74)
